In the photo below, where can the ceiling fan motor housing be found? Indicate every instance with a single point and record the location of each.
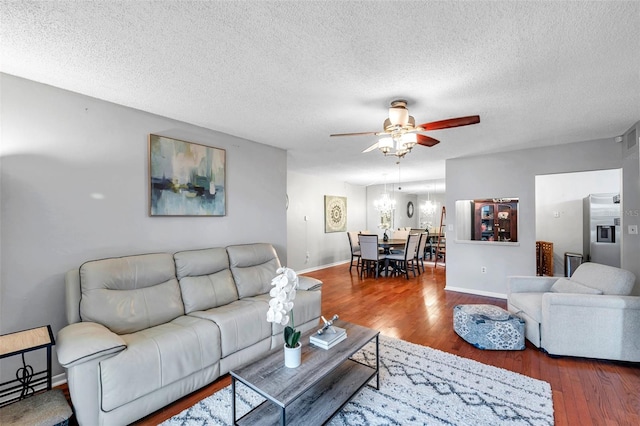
(398, 113)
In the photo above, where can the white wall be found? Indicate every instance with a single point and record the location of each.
(59, 148)
(306, 198)
(510, 174)
(559, 199)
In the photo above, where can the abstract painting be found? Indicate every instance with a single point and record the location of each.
(335, 213)
(186, 179)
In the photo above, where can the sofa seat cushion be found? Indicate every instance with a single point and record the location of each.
(242, 323)
(306, 307)
(609, 279)
(156, 357)
(530, 303)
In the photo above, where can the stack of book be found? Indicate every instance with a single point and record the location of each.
(327, 340)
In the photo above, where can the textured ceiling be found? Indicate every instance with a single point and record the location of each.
(288, 74)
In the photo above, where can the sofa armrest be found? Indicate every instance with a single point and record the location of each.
(308, 283)
(591, 325)
(530, 284)
(83, 341)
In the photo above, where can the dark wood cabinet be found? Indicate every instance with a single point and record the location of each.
(495, 220)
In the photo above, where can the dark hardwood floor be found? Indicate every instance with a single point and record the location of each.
(419, 310)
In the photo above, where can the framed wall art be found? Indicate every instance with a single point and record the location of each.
(335, 214)
(186, 179)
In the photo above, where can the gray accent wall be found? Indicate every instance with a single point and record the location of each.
(631, 201)
(74, 187)
(510, 174)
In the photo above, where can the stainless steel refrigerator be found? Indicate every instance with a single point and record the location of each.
(601, 238)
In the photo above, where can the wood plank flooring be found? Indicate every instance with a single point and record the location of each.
(419, 310)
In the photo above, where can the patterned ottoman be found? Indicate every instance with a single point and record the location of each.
(488, 327)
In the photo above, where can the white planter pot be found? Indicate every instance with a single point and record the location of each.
(292, 356)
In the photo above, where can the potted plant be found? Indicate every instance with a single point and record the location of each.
(280, 311)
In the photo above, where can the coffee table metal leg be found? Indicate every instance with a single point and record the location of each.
(233, 398)
(283, 417)
(377, 362)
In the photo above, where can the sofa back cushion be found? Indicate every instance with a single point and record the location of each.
(253, 267)
(205, 279)
(565, 285)
(609, 279)
(129, 294)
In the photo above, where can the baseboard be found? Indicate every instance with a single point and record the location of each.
(58, 380)
(476, 292)
(317, 268)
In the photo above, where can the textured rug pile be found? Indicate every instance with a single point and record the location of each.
(418, 386)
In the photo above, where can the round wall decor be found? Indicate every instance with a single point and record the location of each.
(410, 209)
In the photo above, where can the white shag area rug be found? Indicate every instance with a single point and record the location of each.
(418, 386)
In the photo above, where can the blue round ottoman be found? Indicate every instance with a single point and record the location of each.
(488, 327)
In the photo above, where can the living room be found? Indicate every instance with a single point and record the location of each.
(75, 184)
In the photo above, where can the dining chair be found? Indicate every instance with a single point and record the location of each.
(430, 249)
(405, 261)
(370, 257)
(420, 253)
(400, 234)
(354, 245)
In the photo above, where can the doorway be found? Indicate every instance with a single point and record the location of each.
(559, 208)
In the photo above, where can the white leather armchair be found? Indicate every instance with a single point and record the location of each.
(592, 314)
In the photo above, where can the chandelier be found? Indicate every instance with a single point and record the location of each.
(428, 208)
(385, 204)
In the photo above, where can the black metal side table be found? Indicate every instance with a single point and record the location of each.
(24, 401)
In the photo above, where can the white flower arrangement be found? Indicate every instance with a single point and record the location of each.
(281, 304)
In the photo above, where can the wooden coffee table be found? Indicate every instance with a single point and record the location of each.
(314, 392)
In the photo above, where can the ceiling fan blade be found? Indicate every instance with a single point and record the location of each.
(427, 140)
(451, 122)
(371, 148)
(354, 134)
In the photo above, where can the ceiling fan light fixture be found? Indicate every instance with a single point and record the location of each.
(408, 140)
(399, 115)
(400, 153)
(385, 145)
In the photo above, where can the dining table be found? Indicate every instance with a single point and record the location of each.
(390, 243)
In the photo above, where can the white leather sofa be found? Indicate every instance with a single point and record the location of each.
(147, 330)
(592, 314)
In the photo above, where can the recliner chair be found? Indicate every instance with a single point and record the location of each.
(592, 314)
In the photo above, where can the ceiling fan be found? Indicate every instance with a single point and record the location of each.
(401, 133)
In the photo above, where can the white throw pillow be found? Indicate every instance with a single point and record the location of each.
(564, 285)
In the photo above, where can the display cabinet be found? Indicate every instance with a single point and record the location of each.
(495, 220)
